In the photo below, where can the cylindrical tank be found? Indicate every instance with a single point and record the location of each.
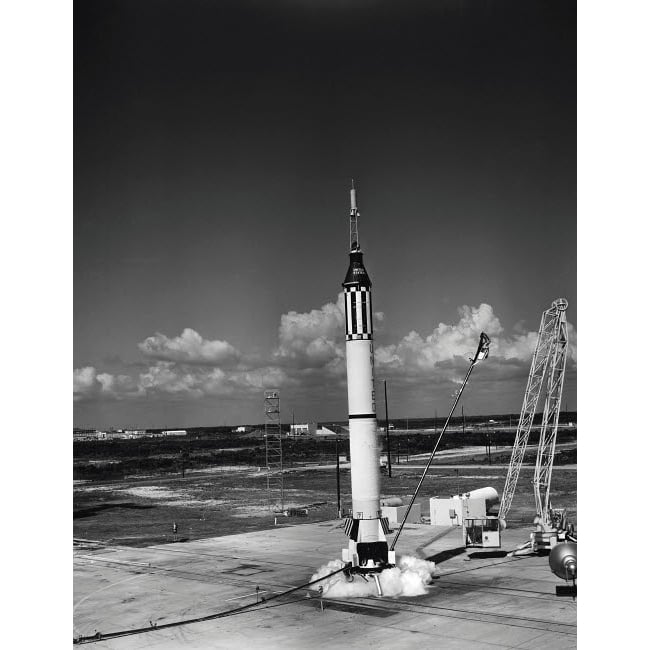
(563, 560)
(490, 495)
(391, 501)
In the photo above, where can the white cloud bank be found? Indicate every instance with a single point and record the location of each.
(311, 352)
(189, 347)
(416, 356)
(88, 383)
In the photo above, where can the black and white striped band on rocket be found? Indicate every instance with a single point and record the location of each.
(351, 526)
(358, 313)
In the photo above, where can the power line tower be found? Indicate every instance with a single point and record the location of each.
(273, 437)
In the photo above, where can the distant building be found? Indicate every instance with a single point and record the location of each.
(114, 434)
(123, 434)
(134, 433)
(325, 431)
(175, 432)
(308, 429)
(84, 434)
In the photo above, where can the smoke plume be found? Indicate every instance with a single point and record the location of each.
(409, 578)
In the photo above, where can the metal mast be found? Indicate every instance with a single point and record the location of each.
(552, 328)
(273, 437)
(548, 434)
(355, 245)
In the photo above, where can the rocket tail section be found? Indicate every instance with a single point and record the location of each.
(351, 526)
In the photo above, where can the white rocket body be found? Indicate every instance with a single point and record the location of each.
(367, 548)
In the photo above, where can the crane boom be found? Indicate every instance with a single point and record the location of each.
(551, 345)
(550, 419)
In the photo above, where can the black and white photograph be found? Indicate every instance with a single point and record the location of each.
(325, 324)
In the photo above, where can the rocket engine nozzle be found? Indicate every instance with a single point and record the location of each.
(370, 557)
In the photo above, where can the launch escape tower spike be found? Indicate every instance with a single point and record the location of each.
(355, 245)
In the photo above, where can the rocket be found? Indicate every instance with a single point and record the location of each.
(367, 550)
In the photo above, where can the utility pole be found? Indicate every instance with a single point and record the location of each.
(462, 410)
(338, 478)
(390, 469)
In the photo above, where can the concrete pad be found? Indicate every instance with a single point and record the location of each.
(484, 602)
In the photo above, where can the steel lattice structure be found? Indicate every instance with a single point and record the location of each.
(354, 221)
(551, 348)
(273, 437)
(548, 434)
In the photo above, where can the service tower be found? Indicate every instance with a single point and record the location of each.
(367, 551)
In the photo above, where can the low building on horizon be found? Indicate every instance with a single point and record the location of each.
(308, 429)
(175, 432)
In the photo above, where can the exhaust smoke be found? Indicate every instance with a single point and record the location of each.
(409, 578)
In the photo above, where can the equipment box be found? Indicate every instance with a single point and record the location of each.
(482, 533)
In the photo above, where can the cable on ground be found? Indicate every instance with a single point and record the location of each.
(142, 630)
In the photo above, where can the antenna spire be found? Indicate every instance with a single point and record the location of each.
(354, 216)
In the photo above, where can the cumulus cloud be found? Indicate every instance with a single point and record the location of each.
(311, 339)
(310, 356)
(118, 385)
(167, 378)
(83, 382)
(88, 384)
(415, 353)
(176, 381)
(189, 347)
(311, 345)
(259, 378)
(448, 347)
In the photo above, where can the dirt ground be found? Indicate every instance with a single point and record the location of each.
(141, 511)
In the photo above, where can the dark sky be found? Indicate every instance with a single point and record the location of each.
(214, 146)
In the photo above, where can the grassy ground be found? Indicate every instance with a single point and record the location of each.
(141, 511)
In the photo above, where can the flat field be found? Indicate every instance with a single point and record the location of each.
(223, 501)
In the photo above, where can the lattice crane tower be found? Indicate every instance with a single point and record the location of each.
(549, 360)
(550, 419)
(273, 437)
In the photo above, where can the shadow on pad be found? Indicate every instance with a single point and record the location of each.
(487, 555)
(446, 555)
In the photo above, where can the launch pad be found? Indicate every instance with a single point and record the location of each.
(476, 600)
(257, 589)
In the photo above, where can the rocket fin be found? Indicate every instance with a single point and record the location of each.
(351, 528)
